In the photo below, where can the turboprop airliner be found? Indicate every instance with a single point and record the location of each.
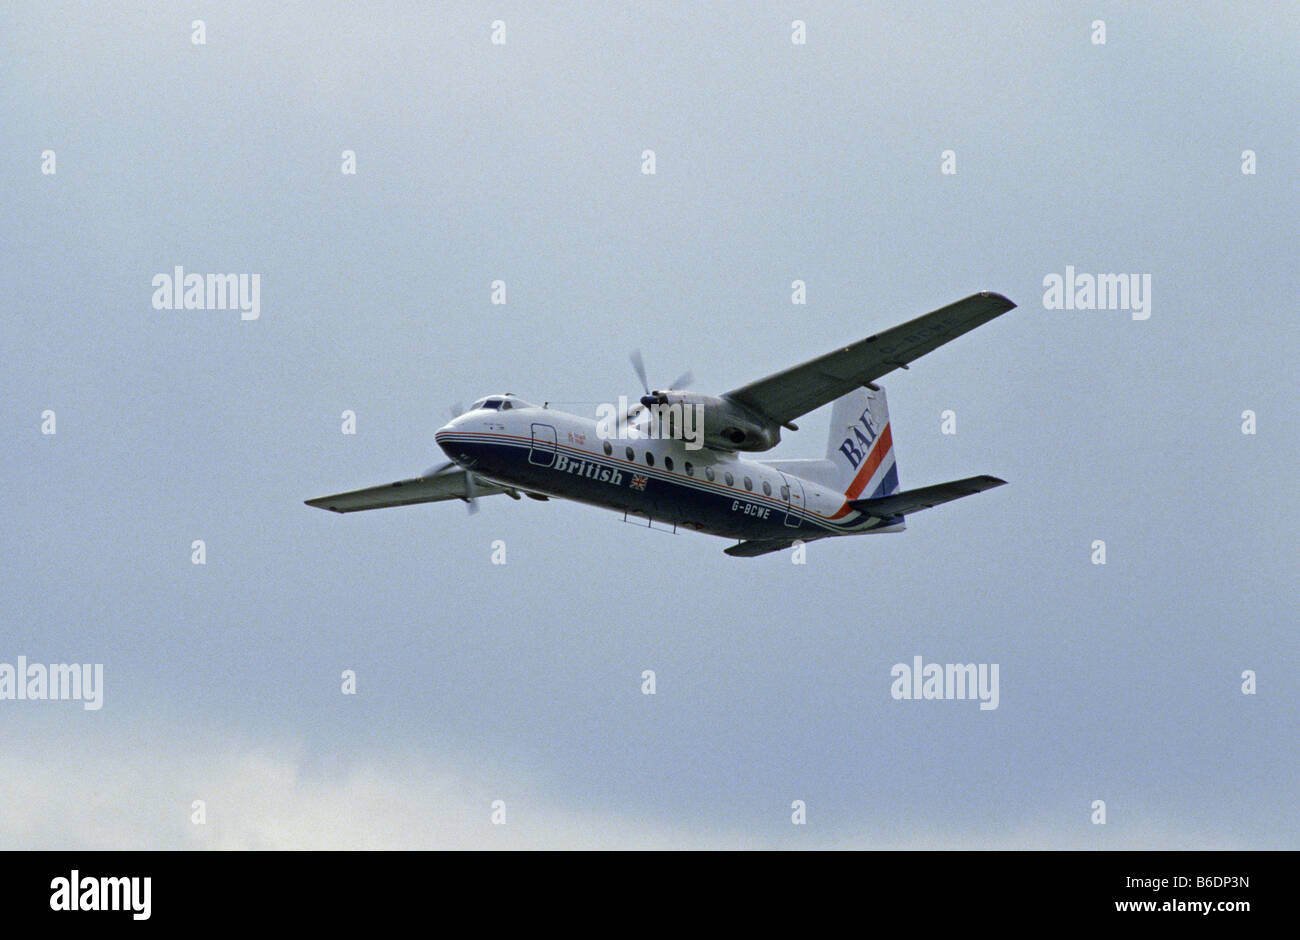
(651, 472)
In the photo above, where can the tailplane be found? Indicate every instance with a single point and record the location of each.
(909, 501)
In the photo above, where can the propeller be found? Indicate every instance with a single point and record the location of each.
(471, 493)
(471, 486)
(639, 365)
(656, 396)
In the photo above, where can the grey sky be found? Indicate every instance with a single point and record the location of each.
(521, 682)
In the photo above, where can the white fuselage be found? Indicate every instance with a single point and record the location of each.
(555, 454)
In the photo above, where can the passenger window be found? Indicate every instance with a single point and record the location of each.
(690, 471)
(767, 488)
(649, 459)
(708, 472)
(749, 484)
(785, 493)
(668, 463)
(608, 449)
(729, 478)
(630, 455)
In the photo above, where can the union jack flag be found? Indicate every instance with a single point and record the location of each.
(639, 482)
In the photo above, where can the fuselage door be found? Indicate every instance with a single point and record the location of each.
(793, 495)
(542, 452)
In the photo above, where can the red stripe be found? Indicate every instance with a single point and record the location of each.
(867, 470)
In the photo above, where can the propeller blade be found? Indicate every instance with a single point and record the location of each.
(639, 366)
(434, 471)
(471, 493)
(682, 381)
(457, 409)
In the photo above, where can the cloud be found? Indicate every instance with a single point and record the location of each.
(62, 792)
(136, 792)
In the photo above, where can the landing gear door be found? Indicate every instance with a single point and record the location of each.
(793, 496)
(542, 452)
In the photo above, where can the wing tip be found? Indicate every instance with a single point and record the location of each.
(321, 502)
(1001, 299)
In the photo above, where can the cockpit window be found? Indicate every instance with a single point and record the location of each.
(498, 403)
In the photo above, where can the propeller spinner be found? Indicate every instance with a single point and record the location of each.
(656, 396)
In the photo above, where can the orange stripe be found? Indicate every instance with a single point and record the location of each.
(867, 470)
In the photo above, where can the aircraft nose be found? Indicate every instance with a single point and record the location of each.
(440, 435)
(449, 438)
(453, 445)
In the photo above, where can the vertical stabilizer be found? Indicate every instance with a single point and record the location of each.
(861, 445)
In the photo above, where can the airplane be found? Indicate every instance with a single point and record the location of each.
(648, 471)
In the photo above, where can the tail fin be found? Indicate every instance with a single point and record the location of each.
(861, 446)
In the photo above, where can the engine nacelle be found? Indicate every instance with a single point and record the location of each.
(726, 425)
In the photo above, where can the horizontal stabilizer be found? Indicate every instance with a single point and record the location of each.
(900, 504)
(452, 483)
